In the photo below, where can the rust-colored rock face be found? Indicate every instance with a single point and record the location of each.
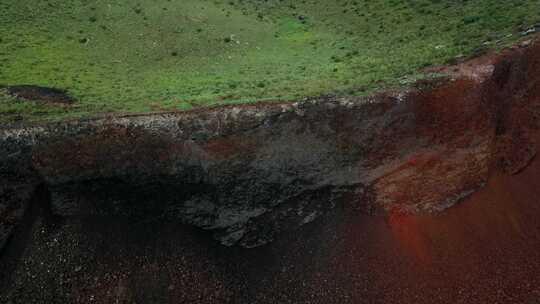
(441, 155)
(513, 97)
(251, 172)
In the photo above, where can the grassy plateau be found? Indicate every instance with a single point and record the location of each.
(153, 55)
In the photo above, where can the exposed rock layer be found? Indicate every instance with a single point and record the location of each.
(250, 172)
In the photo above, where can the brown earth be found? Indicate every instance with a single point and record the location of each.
(41, 94)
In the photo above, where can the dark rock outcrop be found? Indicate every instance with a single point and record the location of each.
(18, 183)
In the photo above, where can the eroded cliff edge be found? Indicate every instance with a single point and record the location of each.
(250, 172)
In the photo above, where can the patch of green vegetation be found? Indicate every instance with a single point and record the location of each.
(137, 56)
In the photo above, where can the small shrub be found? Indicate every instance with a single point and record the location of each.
(471, 19)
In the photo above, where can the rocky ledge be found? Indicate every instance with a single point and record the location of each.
(250, 172)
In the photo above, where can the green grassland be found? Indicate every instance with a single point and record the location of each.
(152, 55)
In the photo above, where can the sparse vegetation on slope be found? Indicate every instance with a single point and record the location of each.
(135, 56)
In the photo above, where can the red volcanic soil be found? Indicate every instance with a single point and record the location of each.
(483, 250)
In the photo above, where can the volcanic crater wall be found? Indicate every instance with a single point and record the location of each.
(250, 172)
